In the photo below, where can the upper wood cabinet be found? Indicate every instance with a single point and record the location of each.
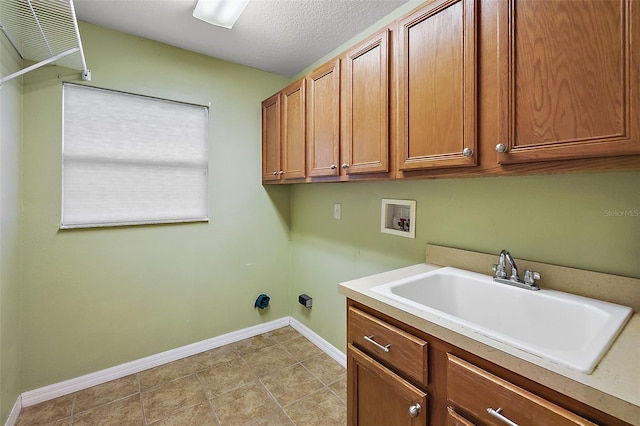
(293, 136)
(366, 93)
(437, 92)
(271, 138)
(323, 120)
(437, 86)
(569, 79)
(284, 134)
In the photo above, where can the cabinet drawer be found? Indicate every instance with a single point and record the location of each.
(475, 391)
(395, 348)
(455, 419)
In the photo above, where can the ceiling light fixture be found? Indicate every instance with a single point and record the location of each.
(223, 13)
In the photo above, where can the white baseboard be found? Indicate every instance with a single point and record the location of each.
(326, 347)
(15, 412)
(56, 390)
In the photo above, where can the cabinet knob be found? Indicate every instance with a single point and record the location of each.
(333, 167)
(501, 147)
(345, 166)
(281, 172)
(275, 173)
(414, 410)
(467, 152)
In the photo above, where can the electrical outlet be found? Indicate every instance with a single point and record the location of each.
(337, 211)
(305, 300)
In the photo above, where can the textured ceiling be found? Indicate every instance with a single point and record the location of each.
(280, 36)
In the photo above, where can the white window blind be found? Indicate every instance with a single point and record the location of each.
(130, 159)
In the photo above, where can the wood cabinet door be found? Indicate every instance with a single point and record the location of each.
(323, 120)
(366, 145)
(294, 137)
(569, 75)
(437, 86)
(377, 396)
(271, 139)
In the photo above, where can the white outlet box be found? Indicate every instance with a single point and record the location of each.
(398, 217)
(337, 211)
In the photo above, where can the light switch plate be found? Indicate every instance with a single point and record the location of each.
(337, 211)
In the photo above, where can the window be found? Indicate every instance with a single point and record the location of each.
(130, 159)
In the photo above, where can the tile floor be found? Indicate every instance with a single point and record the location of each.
(277, 378)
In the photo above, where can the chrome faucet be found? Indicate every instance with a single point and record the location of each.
(500, 268)
(514, 269)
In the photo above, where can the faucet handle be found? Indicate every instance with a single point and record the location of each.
(530, 277)
(500, 270)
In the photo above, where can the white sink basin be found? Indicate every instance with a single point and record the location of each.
(562, 328)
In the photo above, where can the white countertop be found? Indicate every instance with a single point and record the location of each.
(613, 387)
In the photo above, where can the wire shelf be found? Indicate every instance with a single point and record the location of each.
(45, 31)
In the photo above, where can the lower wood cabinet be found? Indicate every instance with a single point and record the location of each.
(491, 400)
(393, 368)
(378, 396)
(455, 419)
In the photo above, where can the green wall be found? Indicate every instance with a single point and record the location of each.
(562, 219)
(10, 124)
(96, 298)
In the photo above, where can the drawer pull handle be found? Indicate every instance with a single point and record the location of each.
(378, 345)
(497, 414)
